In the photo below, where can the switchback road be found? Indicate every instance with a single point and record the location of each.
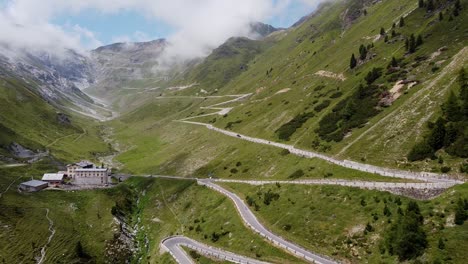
(174, 246)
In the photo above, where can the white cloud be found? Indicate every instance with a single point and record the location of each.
(137, 36)
(199, 25)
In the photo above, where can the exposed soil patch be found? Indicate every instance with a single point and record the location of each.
(336, 76)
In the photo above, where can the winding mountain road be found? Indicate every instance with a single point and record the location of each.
(174, 245)
(252, 222)
(387, 172)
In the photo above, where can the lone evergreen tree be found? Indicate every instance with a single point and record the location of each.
(382, 31)
(352, 62)
(394, 62)
(457, 5)
(421, 3)
(437, 135)
(412, 44)
(430, 5)
(441, 16)
(419, 41)
(452, 108)
(441, 244)
(362, 52)
(463, 82)
(460, 212)
(402, 22)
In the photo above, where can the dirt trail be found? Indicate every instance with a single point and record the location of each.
(9, 186)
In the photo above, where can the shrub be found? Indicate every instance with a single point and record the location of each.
(322, 106)
(269, 196)
(297, 174)
(445, 169)
(194, 254)
(287, 130)
(420, 151)
(336, 95)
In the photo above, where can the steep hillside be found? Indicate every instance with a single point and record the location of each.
(224, 64)
(305, 92)
(26, 119)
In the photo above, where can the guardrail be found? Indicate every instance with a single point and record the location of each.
(208, 251)
(262, 231)
(387, 172)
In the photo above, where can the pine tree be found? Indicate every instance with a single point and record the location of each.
(419, 41)
(441, 244)
(362, 52)
(386, 211)
(382, 31)
(441, 16)
(460, 212)
(386, 38)
(437, 136)
(463, 82)
(406, 237)
(411, 47)
(393, 25)
(457, 5)
(352, 62)
(407, 44)
(393, 33)
(421, 3)
(430, 5)
(451, 108)
(394, 62)
(402, 22)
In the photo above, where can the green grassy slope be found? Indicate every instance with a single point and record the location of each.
(332, 220)
(158, 145)
(78, 216)
(30, 121)
(168, 208)
(225, 63)
(159, 208)
(285, 84)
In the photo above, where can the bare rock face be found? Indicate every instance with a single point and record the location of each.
(63, 119)
(56, 77)
(21, 152)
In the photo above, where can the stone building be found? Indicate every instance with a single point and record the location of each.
(86, 173)
(92, 176)
(71, 168)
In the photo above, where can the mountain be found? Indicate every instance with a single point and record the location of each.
(58, 79)
(262, 29)
(351, 124)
